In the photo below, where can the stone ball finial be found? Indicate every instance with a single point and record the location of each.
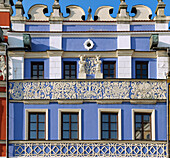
(89, 10)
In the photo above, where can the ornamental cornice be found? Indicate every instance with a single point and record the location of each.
(52, 53)
(125, 52)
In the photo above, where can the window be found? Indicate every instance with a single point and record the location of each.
(37, 70)
(142, 69)
(142, 126)
(109, 69)
(37, 126)
(109, 126)
(70, 70)
(70, 126)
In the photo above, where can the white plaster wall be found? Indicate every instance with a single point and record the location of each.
(162, 67)
(123, 27)
(15, 40)
(124, 67)
(56, 27)
(124, 42)
(55, 42)
(161, 26)
(18, 67)
(55, 67)
(164, 41)
(18, 27)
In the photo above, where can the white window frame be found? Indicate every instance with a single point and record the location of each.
(148, 111)
(118, 111)
(59, 121)
(27, 111)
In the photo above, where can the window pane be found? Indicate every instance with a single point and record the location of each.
(113, 126)
(41, 126)
(33, 118)
(65, 134)
(138, 118)
(73, 126)
(65, 117)
(73, 66)
(73, 72)
(32, 134)
(105, 126)
(105, 66)
(147, 127)
(34, 77)
(138, 134)
(33, 126)
(138, 126)
(113, 118)
(65, 126)
(138, 72)
(146, 118)
(144, 72)
(138, 66)
(41, 73)
(34, 73)
(74, 135)
(34, 67)
(105, 134)
(105, 118)
(73, 77)
(114, 135)
(112, 66)
(144, 66)
(41, 135)
(41, 118)
(66, 72)
(73, 117)
(147, 135)
(105, 71)
(41, 67)
(67, 67)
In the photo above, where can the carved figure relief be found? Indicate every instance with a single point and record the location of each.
(98, 63)
(3, 67)
(82, 65)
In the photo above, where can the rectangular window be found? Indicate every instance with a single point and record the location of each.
(37, 126)
(143, 126)
(70, 70)
(70, 126)
(142, 69)
(37, 70)
(109, 69)
(109, 126)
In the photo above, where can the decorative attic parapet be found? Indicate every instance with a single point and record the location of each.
(5, 5)
(160, 15)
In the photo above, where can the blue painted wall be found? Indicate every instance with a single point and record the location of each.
(142, 27)
(152, 67)
(100, 44)
(89, 27)
(89, 119)
(27, 67)
(40, 44)
(37, 28)
(140, 43)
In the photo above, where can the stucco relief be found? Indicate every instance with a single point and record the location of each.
(87, 90)
(2, 67)
(90, 66)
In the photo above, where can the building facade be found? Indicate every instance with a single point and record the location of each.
(86, 86)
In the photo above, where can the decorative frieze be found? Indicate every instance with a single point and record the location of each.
(87, 89)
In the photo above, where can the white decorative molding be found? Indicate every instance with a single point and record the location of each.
(88, 44)
(2, 67)
(98, 63)
(82, 73)
(152, 112)
(59, 121)
(118, 111)
(27, 111)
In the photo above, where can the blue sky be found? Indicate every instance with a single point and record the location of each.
(94, 4)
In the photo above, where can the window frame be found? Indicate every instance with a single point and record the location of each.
(141, 63)
(69, 63)
(60, 111)
(147, 111)
(118, 111)
(109, 62)
(37, 63)
(27, 111)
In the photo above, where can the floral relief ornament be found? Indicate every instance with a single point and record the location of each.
(3, 67)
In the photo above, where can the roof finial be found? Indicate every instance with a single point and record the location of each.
(160, 0)
(89, 10)
(89, 18)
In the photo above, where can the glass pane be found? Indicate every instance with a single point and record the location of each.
(41, 126)
(33, 118)
(138, 76)
(41, 135)
(138, 126)
(138, 66)
(74, 135)
(66, 72)
(113, 126)
(41, 67)
(147, 135)
(105, 126)
(73, 126)
(65, 134)
(138, 134)
(73, 66)
(66, 66)
(144, 72)
(67, 77)
(41, 118)
(32, 134)
(113, 134)
(65, 117)
(33, 126)
(40, 73)
(105, 66)
(34, 77)
(138, 118)
(105, 134)
(34, 67)
(105, 76)
(105, 71)
(138, 72)
(73, 117)
(73, 77)
(112, 66)
(73, 72)
(146, 118)
(113, 118)
(111, 71)
(65, 126)
(41, 77)
(146, 126)
(144, 66)
(105, 118)
(145, 77)
(34, 72)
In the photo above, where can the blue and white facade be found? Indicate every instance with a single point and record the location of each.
(89, 44)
